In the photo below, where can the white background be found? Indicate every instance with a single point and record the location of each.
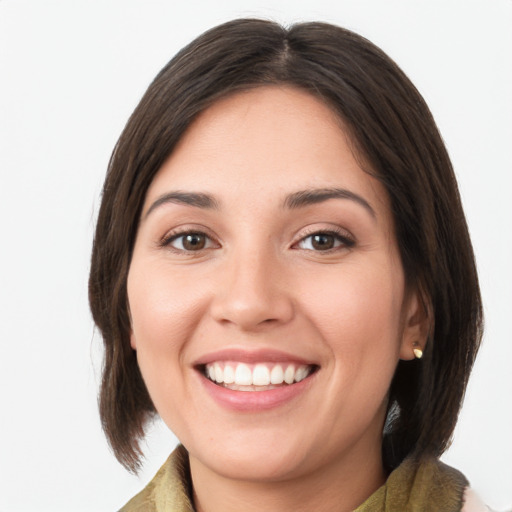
(71, 72)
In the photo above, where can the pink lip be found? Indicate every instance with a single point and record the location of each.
(254, 401)
(253, 356)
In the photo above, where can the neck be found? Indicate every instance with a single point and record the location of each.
(340, 486)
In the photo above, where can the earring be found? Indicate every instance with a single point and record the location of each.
(418, 353)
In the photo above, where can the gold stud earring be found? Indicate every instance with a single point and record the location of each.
(418, 353)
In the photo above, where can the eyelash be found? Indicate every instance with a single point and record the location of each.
(341, 237)
(168, 239)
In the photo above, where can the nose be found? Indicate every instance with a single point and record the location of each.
(252, 293)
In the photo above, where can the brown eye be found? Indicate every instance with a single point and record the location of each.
(325, 241)
(190, 242)
(322, 242)
(194, 242)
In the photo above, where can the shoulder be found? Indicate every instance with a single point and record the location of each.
(169, 489)
(472, 503)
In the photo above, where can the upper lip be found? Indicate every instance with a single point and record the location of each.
(251, 356)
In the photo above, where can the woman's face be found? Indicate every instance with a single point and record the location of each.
(265, 255)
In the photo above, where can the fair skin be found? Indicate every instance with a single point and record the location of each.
(263, 244)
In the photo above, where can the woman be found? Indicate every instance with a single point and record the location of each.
(282, 271)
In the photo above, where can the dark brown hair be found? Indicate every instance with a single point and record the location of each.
(393, 133)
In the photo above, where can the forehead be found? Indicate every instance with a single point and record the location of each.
(270, 139)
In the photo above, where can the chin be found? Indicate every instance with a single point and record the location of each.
(261, 458)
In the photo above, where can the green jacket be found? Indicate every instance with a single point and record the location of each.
(412, 487)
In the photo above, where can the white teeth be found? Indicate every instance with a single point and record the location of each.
(219, 374)
(277, 375)
(243, 375)
(260, 375)
(240, 374)
(289, 374)
(229, 374)
(301, 373)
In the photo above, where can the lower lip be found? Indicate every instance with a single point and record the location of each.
(251, 401)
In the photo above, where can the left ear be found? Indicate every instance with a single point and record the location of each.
(416, 323)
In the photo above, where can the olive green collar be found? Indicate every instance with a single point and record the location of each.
(412, 487)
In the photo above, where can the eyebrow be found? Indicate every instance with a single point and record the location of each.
(308, 197)
(196, 199)
(299, 199)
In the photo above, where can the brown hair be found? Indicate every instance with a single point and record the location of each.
(393, 133)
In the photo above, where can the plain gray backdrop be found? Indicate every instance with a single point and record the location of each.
(71, 72)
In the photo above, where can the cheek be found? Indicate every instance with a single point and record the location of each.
(355, 300)
(164, 312)
(163, 307)
(361, 323)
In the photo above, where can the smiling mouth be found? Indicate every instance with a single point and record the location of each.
(256, 377)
